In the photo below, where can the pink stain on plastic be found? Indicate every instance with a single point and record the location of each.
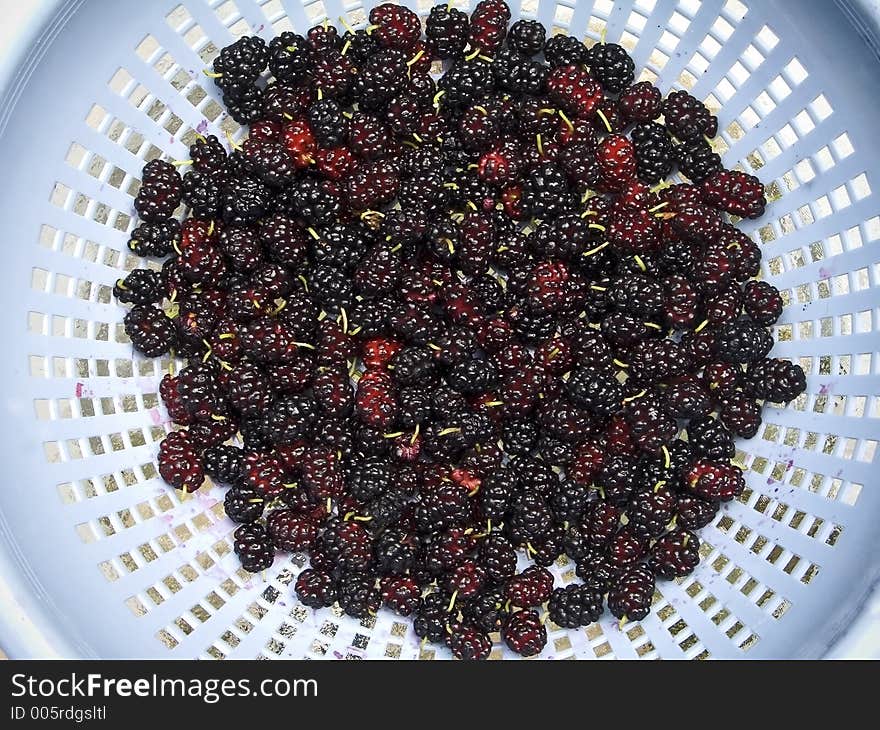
(825, 388)
(82, 391)
(825, 273)
(156, 417)
(202, 126)
(79, 390)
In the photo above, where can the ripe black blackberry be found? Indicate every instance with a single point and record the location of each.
(545, 192)
(383, 76)
(687, 117)
(519, 436)
(240, 64)
(208, 156)
(565, 50)
(527, 37)
(245, 200)
(654, 152)
(290, 58)
(529, 518)
(487, 609)
(156, 238)
(630, 596)
(149, 330)
(202, 193)
(696, 159)
(468, 643)
(466, 83)
(395, 552)
(597, 391)
(291, 531)
(269, 161)
(498, 557)
(650, 510)
(708, 437)
(432, 617)
(763, 302)
(743, 342)
(224, 463)
(327, 122)
(315, 588)
(370, 477)
(449, 29)
(159, 193)
(619, 476)
(357, 595)
(243, 505)
(346, 544)
(141, 286)
(775, 380)
(575, 605)
(254, 548)
(245, 107)
(612, 65)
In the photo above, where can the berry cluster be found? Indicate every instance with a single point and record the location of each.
(439, 329)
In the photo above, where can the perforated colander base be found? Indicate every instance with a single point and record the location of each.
(111, 562)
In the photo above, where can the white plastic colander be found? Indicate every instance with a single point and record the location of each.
(99, 558)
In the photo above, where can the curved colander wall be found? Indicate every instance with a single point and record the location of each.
(100, 558)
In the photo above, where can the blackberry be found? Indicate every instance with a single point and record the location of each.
(245, 200)
(519, 436)
(545, 192)
(708, 437)
(687, 117)
(269, 161)
(650, 510)
(358, 596)
(575, 606)
(618, 478)
(641, 102)
(692, 512)
(383, 76)
(524, 633)
(201, 192)
(735, 192)
(762, 301)
(487, 609)
(448, 28)
(290, 58)
(209, 156)
(468, 643)
(530, 588)
(156, 238)
(141, 286)
(396, 26)
(246, 106)
(466, 83)
(290, 531)
(346, 544)
(160, 191)
(497, 557)
(527, 37)
(697, 160)
(315, 588)
(395, 552)
(529, 518)
(596, 391)
(446, 506)
(612, 65)
(779, 381)
(565, 50)
(743, 342)
(742, 415)
(243, 505)
(715, 481)
(224, 463)
(687, 398)
(401, 594)
(653, 150)
(254, 548)
(149, 330)
(179, 463)
(675, 555)
(432, 617)
(327, 122)
(630, 596)
(240, 64)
